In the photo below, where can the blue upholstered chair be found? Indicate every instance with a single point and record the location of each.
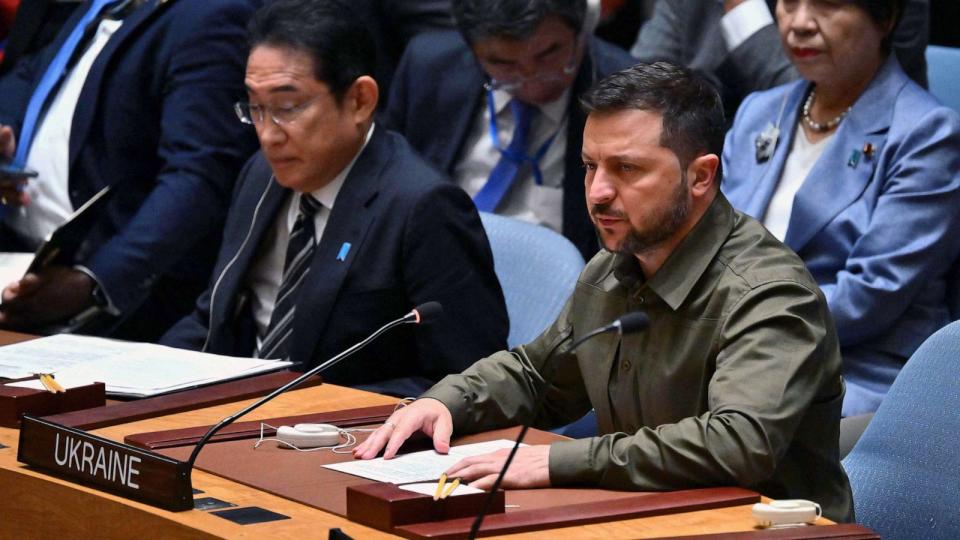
(943, 73)
(537, 268)
(905, 469)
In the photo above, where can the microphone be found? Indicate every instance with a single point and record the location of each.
(422, 314)
(630, 323)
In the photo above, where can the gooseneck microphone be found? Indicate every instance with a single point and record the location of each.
(628, 324)
(422, 314)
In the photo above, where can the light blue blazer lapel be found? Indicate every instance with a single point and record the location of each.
(844, 170)
(769, 173)
(348, 223)
(90, 94)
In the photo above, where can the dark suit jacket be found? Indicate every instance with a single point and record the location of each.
(435, 112)
(415, 238)
(154, 117)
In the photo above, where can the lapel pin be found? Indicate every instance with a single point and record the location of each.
(344, 250)
(854, 159)
(766, 143)
(868, 150)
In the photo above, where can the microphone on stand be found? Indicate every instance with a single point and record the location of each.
(422, 314)
(628, 324)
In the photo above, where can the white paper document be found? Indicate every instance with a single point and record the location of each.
(416, 466)
(126, 368)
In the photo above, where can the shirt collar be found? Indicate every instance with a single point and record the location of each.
(688, 262)
(554, 111)
(327, 195)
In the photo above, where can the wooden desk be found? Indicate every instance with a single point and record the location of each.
(37, 505)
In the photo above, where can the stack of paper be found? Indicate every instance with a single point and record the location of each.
(423, 466)
(127, 368)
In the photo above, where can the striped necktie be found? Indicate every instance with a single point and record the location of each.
(295, 270)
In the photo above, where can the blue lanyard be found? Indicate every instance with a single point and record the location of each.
(518, 157)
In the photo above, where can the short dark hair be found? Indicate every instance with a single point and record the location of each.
(884, 12)
(341, 47)
(691, 109)
(514, 19)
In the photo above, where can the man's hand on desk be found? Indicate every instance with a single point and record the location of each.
(530, 468)
(56, 293)
(427, 415)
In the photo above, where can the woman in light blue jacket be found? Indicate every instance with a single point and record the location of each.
(857, 169)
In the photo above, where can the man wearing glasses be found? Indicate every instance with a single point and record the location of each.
(495, 106)
(337, 227)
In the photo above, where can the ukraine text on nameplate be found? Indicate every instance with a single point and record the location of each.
(111, 466)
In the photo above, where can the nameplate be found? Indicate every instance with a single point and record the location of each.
(111, 466)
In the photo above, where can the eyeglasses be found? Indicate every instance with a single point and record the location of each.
(249, 113)
(510, 83)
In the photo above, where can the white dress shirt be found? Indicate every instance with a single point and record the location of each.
(49, 152)
(801, 159)
(741, 22)
(539, 204)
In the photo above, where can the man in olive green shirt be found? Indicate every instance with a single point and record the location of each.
(737, 379)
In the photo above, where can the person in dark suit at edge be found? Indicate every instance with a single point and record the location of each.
(495, 106)
(337, 227)
(134, 94)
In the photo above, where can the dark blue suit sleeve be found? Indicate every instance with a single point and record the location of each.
(192, 331)
(201, 147)
(15, 90)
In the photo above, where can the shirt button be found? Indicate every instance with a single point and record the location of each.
(626, 365)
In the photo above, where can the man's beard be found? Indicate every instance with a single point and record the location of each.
(663, 225)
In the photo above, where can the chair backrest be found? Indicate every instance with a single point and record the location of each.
(943, 74)
(905, 469)
(537, 268)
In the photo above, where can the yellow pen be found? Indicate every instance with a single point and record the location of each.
(45, 382)
(57, 387)
(443, 480)
(451, 488)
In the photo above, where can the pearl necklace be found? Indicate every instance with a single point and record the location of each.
(813, 124)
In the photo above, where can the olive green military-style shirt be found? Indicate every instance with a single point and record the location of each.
(735, 382)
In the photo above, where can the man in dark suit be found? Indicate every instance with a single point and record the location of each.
(460, 99)
(144, 106)
(337, 227)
